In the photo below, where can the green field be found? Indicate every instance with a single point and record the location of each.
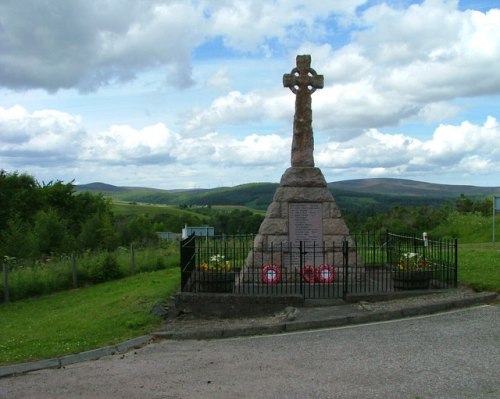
(111, 312)
(108, 313)
(131, 208)
(479, 266)
(83, 319)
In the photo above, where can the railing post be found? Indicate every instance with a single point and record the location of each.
(455, 278)
(388, 248)
(345, 257)
(301, 265)
(187, 250)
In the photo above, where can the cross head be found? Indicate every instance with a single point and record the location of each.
(303, 77)
(303, 81)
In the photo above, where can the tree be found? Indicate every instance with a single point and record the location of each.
(236, 222)
(17, 240)
(19, 195)
(139, 229)
(464, 204)
(51, 232)
(51, 217)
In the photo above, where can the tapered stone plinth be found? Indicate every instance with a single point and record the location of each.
(303, 227)
(303, 212)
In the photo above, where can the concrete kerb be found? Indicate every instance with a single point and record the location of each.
(326, 322)
(6, 371)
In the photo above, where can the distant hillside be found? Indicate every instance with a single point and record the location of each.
(362, 195)
(411, 188)
(99, 187)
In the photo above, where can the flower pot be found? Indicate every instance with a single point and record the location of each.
(412, 279)
(215, 281)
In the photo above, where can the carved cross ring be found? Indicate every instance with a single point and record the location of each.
(303, 77)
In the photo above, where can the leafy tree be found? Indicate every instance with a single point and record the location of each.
(236, 222)
(49, 219)
(19, 195)
(98, 232)
(138, 229)
(410, 220)
(464, 204)
(51, 232)
(17, 240)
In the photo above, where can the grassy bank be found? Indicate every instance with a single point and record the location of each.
(107, 313)
(83, 319)
(479, 266)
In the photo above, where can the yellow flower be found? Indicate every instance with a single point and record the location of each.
(216, 263)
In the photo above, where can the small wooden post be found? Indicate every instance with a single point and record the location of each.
(132, 259)
(5, 269)
(74, 271)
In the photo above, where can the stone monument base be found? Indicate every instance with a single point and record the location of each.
(303, 226)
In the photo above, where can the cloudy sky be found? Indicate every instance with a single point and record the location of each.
(188, 93)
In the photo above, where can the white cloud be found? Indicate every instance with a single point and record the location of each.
(246, 25)
(431, 51)
(84, 44)
(44, 136)
(253, 150)
(236, 108)
(124, 145)
(219, 80)
(388, 64)
(436, 112)
(88, 44)
(464, 149)
(406, 63)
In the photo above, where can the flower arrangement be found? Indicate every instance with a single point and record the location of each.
(414, 262)
(216, 263)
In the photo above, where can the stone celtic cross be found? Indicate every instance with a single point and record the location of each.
(303, 81)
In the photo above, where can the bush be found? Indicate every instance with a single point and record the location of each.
(105, 270)
(28, 280)
(467, 227)
(52, 274)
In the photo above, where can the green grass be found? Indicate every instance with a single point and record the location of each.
(34, 279)
(479, 266)
(83, 319)
(238, 207)
(469, 227)
(108, 313)
(128, 208)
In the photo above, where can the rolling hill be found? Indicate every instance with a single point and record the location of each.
(361, 195)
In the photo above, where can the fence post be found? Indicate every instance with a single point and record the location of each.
(74, 271)
(188, 258)
(302, 254)
(132, 259)
(456, 264)
(5, 269)
(388, 249)
(345, 256)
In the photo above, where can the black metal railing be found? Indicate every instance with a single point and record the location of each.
(361, 263)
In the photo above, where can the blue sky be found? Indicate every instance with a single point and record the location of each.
(182, 94)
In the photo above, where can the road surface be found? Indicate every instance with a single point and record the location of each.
(453, 355)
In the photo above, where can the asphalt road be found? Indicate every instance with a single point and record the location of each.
(453, 355)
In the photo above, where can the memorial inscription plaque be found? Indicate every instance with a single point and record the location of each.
(305, 222)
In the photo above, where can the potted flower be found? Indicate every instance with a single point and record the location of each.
(412, 272)
(216, 275)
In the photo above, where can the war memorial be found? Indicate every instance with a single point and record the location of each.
(304, 249)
